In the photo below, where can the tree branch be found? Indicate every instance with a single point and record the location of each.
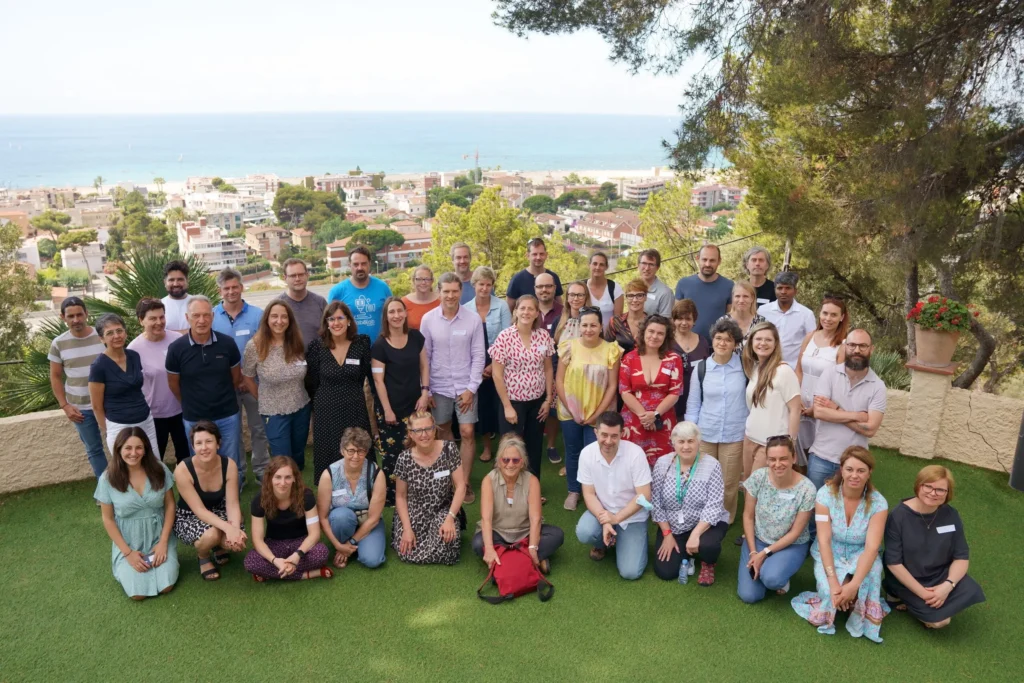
(859, 296)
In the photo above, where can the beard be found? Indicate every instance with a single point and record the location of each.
(707, 272)
(857, 361)
(176, 292)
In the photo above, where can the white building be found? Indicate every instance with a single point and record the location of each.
(89, 257)
(706, 196)
(28, 252)
(332, 183)
(209, 244)
(366, 206)
(227, 210)
(639, 190)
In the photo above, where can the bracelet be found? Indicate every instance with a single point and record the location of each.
(64, 406)
(951, 582)
(830, 572)
(301, 553)
(534, 547)
(452, 516)
(666, 532)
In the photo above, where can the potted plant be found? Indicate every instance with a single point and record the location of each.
(938, 322)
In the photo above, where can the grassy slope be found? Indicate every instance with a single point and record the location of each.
(65, 618)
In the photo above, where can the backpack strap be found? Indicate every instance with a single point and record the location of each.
(494, 600)
(545, 589)
(371, 476)
(701, 371)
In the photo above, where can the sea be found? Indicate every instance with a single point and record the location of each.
(71, 150)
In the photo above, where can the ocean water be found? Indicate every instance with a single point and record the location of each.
(72, 150)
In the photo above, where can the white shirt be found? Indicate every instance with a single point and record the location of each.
(772, 417)
(615, 483)
(174, 312)
(794, 325)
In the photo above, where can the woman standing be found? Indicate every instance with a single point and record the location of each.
(510, 509)
(686, 490)
(650, 381)
(115, 384)
(208, 515)
(423, 297)
(430, 487)
(743, 308)
(136, 498)
(496, 316)
(850, 516)
(277, 357)
(691, 347)
(773, 395)
(926, 553)
(401, 377)
(821, 350)
(524, 378)
(285, 529)
(338, 365)
(605, 294)
(625, 329)
(151, 346)
(577, 297)
(586, 383)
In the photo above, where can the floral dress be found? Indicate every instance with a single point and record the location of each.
(668, 381)
(847, 545)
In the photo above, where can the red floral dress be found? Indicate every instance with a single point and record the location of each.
(668, 381)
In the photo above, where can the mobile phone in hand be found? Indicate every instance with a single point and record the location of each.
(151, 559)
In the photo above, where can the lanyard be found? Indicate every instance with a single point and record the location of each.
(680, 489)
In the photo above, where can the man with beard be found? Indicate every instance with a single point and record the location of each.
(523, 282)
(362, 293)
(308, 306)
(793, 320)
(550, 310)
(710, 291)
(176, 301)
(849, 403)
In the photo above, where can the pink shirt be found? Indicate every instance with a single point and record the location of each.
(524, 367)
(162, 402)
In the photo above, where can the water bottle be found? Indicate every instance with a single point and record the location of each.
(684, 571)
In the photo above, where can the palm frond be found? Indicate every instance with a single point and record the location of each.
(889, 366)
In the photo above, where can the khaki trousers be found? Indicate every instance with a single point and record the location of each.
(730, 457)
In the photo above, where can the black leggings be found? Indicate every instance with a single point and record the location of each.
(551, 538)
(708, 550)
(174, 427)
(528, 427)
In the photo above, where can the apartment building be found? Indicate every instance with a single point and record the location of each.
(640, 190)
(270, 242)
(332, 183)
(706, 196)
(210, 244)
(620, 226)
(366, 207)
(416, 244)
(302, 238)
(227, 210)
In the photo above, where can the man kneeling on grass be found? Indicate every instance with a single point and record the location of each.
(614, 475)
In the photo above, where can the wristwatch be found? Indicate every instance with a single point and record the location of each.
(767, 552)
(425, 387)
(951, 582)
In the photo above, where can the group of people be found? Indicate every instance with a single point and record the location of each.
(668, 407)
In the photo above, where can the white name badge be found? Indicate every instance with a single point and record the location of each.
(549, 326)
(459, 333)
(241, 333)
(351, 361)
(510, 500)
(300, 362)
(946, 529)
(786, 496)
(762, 301)
(442, 474)
(377, 371)
(652, 296)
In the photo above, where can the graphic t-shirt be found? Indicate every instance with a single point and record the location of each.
(366, 304)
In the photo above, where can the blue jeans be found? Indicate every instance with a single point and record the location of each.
(287, 434)
(89, 432)
(776, 571)
(230, 441)
(575, 437)
(371, 548)
(819, 470)
(630, 544)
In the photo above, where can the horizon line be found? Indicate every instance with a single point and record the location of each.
(332, 111)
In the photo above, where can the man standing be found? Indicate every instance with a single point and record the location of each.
(233, 317)
(849, 403)
(203, 370)
(613, 474)
(550, 313)
(308, 306)
(362, 293)
(794, 320)
(756, 263)
(452, 336)
(659, 296)
(523, 281)
(707, 289)
(176, 301)
(71, 354)
(462, 257)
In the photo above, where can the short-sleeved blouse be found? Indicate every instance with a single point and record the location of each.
(776, 508)
(524, 367)
(771, 418)
(702, 501)
(123, 400)
(285, 525)
(282, 384)
(401, 371)
(585, 378)
(848, 540)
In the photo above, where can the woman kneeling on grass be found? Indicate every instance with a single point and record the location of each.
(350, 500)
(510, 508)
(137, 502)
(285, 528)
(209, 516)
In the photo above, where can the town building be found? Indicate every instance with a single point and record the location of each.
(52, 198)
(227, 210)
(366, 207)
(619, 226)
(404, 227)
(640, 190)
(416, 244)
(706, 196)
(302, 238)
(557, 224)
(20, 218)
(269, 241)
(210, 244)
(88, 257)
(332, 183)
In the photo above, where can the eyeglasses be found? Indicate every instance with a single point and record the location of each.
(858, 347)
(590, 309)
(648, 264)
(336, 319)
(294, 276)
(636, 295)
(421, 430)
(423, 279)
(928, 488)
(577, 295)
(544, 286)
(510, 461)
(354, 451)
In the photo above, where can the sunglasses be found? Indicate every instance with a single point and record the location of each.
(781, 438)
(590, 309)
(510, 461)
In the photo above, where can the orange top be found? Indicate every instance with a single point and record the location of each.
(417, 311)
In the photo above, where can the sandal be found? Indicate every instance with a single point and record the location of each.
(323, 572)
(220, 556)
(544, 566)
(597, 554)
(485, 456)
(257, 578)
(210, 574)
(340, 561)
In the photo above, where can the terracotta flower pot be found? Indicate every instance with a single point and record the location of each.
(935, 348)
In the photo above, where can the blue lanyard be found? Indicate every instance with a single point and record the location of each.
(680, 489)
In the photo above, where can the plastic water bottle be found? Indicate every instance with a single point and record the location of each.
(684, 571)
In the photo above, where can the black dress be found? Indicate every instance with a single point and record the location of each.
(926, 547)
(338, 398)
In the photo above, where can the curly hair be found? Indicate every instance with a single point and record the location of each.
(268, 501)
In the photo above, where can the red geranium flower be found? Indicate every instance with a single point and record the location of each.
(943, 309)
(933, 299)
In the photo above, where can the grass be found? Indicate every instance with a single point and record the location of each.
(65, 618)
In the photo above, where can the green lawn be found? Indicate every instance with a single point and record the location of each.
(65, 618)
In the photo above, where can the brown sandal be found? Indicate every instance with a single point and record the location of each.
(597, 554)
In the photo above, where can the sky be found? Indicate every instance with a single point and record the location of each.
(129, 57)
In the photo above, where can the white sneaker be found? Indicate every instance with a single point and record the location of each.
(783, 590)
(571, 501)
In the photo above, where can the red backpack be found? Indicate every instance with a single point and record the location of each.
(516, 575)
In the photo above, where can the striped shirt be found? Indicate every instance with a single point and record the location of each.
(76, 355)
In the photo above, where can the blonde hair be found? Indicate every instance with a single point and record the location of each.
(933, 473)
(765, 369)
(854, 453)
(749, 289)
(512, 440)
(567, 310)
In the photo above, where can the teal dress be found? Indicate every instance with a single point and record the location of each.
(141, 521)
(847, 546)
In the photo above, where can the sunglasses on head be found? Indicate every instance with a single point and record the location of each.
(776, 440)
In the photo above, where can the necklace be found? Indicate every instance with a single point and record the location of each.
(934, 516)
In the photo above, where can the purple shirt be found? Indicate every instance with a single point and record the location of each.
(162, 402)
(449, 343)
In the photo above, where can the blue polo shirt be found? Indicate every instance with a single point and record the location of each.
(242, 328)
(207, 387)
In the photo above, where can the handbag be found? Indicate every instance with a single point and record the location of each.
(515, 576)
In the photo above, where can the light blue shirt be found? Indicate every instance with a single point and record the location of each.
(722, 413)
(366, 304)
(242, 328)
(449, 345)
(498, 317)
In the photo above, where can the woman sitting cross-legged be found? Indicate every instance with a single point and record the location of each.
(350, 500)
(285, 527)
(688, 494)
(209, 516)
(850, 515)
(136, 499)
(429, 490)
(926, 553)
(510, 508)
(780, 501)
